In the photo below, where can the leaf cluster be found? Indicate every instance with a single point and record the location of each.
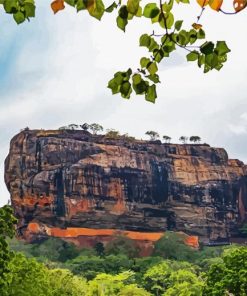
(20, 9)
(143, 81)
(7, 230)
(210, 56)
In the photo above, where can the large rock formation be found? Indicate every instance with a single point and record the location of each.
(65, 183)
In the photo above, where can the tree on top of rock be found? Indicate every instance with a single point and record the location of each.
(153, 135)
(167, 139)
(85, 126)
(95, 128)
(183, 139)
(195, 139)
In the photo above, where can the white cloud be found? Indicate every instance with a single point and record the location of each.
(244, 116)
(237, 129)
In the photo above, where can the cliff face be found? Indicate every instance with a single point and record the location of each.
(74, 181)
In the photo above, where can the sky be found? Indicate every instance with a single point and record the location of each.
(54, 71)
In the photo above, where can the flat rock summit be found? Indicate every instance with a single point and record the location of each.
(73, 184)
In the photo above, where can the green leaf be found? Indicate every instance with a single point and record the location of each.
(130, 16)
(158, 55)
(178, 25)
(119, 77)
(71, 2)
(136, 78)
(206, 68)
(168, 46)
(207, 48)
(110, 8)
(145, 40)
(122, 23)
(151, 10)
(152, 68)
(192, 36)
(133, 6)
(153, 45)
(222, 58)
(80, 5)
(29, 10)
(201, 34)
(114, 86)
(118, 82)
(167, 7)
(123, 12)
(161, 21)
(10, 6)
(155, 78)
(155, 19)
(192, 56)
(126, 90)
(222, 48)
(128, 73)
(96, 8)
(151, 93)
(218, 67)
(201, 60)
(183, 37)
(19, 17)
(144, 62)
(140, 88)
(169, 20)
(211, 60)
(139, 12)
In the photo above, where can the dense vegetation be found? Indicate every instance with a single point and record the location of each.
(54, 267)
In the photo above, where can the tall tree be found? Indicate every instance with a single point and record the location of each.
(7, 222)
(230, 276)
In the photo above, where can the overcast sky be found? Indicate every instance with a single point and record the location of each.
(54, 71)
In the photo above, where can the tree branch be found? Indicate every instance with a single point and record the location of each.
(163, 16)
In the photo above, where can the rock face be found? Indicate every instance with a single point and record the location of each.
(72, 180)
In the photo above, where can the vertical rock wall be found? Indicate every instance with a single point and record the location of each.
(72, 179)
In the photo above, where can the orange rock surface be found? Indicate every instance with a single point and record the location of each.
(73, 184)
(141, 237)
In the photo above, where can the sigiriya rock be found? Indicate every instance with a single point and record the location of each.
(74, 184)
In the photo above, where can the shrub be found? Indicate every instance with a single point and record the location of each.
(122, 245)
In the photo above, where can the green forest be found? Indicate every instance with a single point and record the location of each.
(54, 267)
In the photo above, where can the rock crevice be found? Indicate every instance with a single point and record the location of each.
(72, 179)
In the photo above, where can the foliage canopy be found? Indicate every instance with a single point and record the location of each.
(118, 274)
(207, 54)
